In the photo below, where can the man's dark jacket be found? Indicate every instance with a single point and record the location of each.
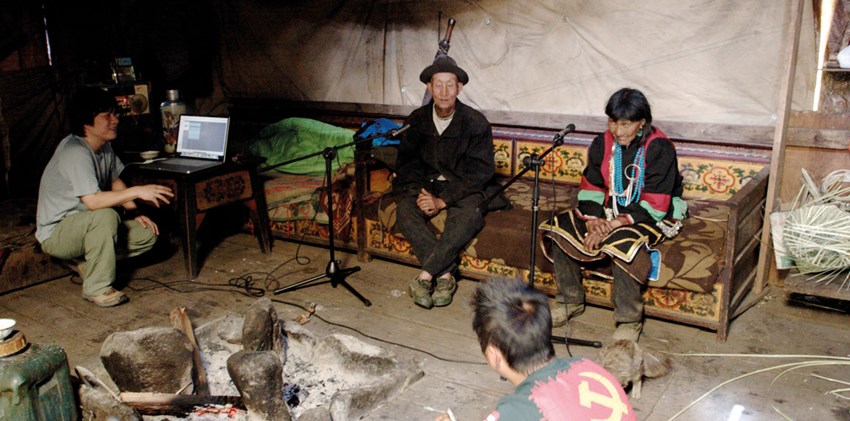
(463, 154)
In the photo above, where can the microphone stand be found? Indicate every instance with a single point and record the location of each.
(334, 271)
(529, 162)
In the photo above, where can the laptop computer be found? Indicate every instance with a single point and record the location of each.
(201, 144)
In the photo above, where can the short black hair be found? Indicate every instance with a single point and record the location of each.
(86, 105)
(629, 104)
(516, 320)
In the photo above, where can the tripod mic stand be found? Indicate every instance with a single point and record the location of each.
(529, 162)
(334, 271)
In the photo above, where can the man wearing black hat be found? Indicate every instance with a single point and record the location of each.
(445, 163)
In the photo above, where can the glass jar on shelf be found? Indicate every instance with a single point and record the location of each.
(172, 108)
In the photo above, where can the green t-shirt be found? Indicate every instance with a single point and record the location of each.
(74, 171)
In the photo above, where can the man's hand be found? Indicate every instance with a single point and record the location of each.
(154, 193)
(446, 416)
(428, 203)
(146, 222)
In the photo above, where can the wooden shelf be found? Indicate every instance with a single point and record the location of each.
(805, 284)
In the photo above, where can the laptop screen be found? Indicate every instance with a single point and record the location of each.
(203, 137)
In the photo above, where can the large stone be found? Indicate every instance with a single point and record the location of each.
(261, 329)
(259, 377)
(353, 356)
(226, 328)
(154, 359)
(388, 374)
(316, 414)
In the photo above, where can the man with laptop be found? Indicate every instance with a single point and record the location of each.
(79, 193)
(201, 144)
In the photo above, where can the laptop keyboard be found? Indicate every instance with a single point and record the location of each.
(183, 162)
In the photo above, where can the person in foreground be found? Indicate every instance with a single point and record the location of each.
(78, 191)
(513, 325)
(445, 163)
(629, 201)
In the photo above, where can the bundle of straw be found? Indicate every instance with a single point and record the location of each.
(833, 189)
(836, 187)
(818, 238)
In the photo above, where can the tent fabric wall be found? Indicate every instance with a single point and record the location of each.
(34, 115)
(708, 61)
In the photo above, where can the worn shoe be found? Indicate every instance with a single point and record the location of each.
(559, 314)
(444, 292)
(562, 312)
(420, 290)
(628, 331)
(109, 298)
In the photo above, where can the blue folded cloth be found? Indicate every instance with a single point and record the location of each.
(378, 126)
(655, 271)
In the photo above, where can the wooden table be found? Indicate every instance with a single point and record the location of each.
(198, 193)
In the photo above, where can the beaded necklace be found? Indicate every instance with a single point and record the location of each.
(631, 193)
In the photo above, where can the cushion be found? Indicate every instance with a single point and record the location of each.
(283, 189)
(690, 261)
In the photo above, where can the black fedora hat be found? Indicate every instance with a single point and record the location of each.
(444, 64)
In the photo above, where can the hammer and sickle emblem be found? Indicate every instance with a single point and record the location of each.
(612, 400)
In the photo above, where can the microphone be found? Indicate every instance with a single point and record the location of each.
(397, 132)
(567, 130)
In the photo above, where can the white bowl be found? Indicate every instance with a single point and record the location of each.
(6, 326)
(148, 155)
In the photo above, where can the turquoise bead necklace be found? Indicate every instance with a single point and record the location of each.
(631, 194)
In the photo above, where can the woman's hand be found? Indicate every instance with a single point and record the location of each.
(598, 225)
(598, 229)
(592, 240)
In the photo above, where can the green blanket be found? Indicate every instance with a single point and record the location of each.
(297, 137)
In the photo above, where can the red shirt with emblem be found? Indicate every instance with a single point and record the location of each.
(566, 389)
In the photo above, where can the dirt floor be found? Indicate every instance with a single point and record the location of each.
(235, 272)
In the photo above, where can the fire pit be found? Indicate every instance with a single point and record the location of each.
(336, 376)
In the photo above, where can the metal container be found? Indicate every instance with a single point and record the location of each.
(35, 385)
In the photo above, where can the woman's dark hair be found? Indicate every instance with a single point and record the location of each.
(86, 105)
(516, 320)
(629, 104)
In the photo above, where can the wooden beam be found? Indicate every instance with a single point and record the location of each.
(720, 133)
(777, 160)
(171, 404)
(818, 138)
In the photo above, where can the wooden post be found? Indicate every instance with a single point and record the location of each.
(777, 158)
(180, 321)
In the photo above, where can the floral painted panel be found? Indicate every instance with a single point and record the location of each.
(704, 178)
(717, 180)
(503, 151)
(566, 162)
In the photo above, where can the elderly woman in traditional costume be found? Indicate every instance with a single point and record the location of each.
(629, 201)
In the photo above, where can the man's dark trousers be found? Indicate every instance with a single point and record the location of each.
(440, 255)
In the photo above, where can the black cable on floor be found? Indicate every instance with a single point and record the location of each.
(359, 332)
(247, 285)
